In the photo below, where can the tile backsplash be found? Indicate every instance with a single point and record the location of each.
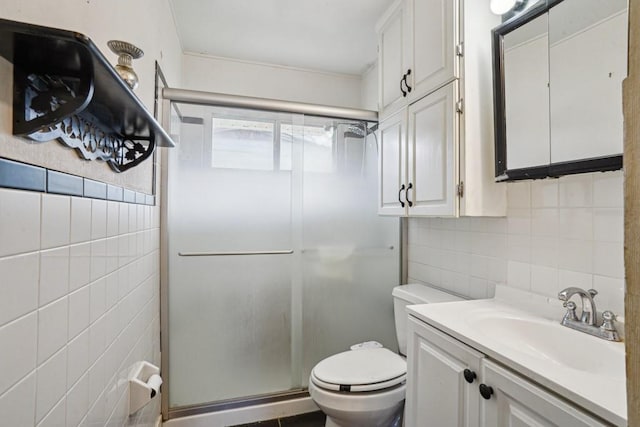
(557, 233)
(79, 305)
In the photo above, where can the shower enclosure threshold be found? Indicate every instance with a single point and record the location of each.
(244, 410)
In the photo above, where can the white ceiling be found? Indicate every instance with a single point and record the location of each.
(327, 35)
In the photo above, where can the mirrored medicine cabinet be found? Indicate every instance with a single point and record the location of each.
(558, 72)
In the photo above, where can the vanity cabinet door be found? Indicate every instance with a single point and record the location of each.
(438, 394)
(516, 402)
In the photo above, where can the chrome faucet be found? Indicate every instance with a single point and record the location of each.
(588, 317)
(587, 322)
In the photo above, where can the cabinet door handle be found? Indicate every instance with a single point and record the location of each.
(400, 196)
(469, 376)
(486, 391)
(403, 80)
(406, 194)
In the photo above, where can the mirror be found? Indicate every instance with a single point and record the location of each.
(526, 81)
(558, 71)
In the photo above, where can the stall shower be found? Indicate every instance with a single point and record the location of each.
(276, 255)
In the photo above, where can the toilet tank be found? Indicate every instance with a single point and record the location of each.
(405, 295)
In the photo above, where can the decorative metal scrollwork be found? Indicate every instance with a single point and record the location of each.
(54, 109)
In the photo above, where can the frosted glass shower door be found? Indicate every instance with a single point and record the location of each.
(277, 257)
(350, 255)
(229, 308)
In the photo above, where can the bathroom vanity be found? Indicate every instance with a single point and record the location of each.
(486, 363)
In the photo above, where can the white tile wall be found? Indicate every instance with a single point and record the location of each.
(79, 305)
(557, 233)
(18, 404)
(56, 215)
(18, 286)
(81, 220)
(19, 222)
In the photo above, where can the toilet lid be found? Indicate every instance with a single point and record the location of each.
(366, 369)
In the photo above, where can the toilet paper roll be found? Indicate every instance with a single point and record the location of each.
(154, 383)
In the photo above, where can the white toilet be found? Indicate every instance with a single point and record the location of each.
(365, 387)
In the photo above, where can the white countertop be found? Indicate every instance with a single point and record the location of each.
(601, 391)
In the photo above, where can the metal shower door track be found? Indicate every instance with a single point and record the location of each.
(220, 99)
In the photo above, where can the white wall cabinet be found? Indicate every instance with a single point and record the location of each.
(432, 172)
(392, 63)
(444, 382)
(443, 93)
(392, 164)
(417, 161)
(418, 44)
(431, 45)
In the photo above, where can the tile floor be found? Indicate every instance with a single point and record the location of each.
(312, 419)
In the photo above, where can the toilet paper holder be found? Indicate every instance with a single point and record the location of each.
(144, 384)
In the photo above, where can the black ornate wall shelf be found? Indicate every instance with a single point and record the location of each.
(65, 89)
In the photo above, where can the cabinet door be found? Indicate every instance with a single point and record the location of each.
(437, 392)
(432, 154)
(431, 35)
(516, 402)
(391, 61)
(392, 165)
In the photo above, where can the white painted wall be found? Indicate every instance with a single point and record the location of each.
(229, 76)
(79, 278)
(146, 23)
(369, 88)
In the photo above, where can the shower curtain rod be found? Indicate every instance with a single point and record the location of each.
(224, 100)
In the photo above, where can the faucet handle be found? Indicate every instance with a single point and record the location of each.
(571, 311)
(607, 321)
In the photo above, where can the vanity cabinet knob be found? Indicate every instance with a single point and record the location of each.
(486, 391)
(469, 376)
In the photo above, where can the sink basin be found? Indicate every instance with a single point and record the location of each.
(545, 339)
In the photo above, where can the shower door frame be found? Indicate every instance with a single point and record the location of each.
(167, 97)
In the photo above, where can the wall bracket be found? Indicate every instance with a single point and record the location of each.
(65, 89)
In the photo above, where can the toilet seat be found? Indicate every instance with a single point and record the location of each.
(362, 370)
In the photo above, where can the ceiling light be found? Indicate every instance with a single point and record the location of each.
(500, 7)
